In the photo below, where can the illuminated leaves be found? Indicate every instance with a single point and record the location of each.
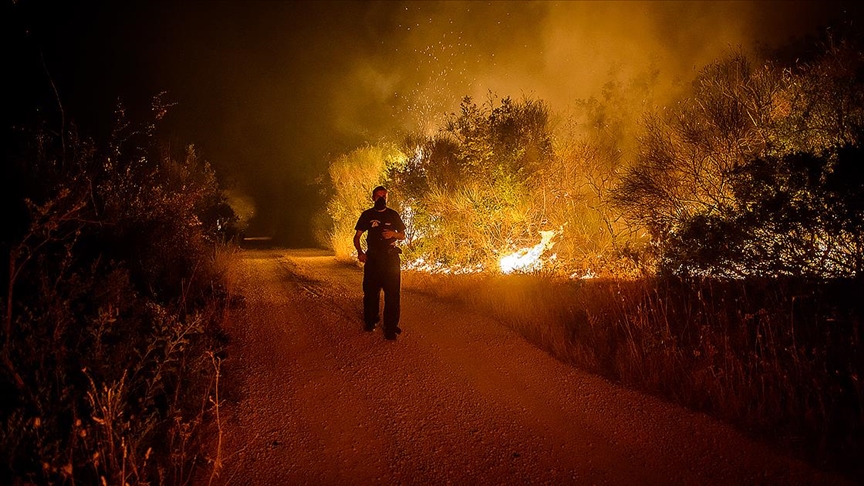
(352, 177)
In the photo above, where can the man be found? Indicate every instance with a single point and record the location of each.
(382, 263)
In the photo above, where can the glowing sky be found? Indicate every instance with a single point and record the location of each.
(270, 90)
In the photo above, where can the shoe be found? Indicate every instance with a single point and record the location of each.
(398, 330)
(390, 336)
(369, 327)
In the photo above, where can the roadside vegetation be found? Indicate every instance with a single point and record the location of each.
(781, 359)
(114, 294)
(715, 259)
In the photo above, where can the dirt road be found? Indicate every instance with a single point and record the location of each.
(457, 399)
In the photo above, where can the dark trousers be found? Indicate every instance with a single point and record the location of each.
(382, 273)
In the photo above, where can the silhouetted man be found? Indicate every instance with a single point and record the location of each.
(382, 262)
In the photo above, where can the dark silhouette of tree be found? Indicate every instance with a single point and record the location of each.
(743, 178)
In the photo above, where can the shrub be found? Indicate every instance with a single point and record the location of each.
(352, 178)
(744, 177)
(111, 311)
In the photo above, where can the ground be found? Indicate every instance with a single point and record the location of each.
(458, 399)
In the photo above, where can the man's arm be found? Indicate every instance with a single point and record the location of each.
(397, 231)
(360, 255)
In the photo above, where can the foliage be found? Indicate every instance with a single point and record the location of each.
(576, 187)
(351, 179)
(685, 157)
(798, 215)
(468, 189)
(111, 310)
(495, 176)
(743, 179)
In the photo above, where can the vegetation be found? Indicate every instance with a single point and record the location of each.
(759, 173)
(485, 186)
(350, 195)
(111, 338)
(756, 172)
(780, 359)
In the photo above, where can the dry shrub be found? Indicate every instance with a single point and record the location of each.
(352, 178)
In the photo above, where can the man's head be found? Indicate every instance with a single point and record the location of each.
(379, 192)
(379, 195)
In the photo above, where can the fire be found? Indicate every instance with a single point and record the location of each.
(527, 259)
(421, 265)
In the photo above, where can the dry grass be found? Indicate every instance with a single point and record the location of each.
(779, 359)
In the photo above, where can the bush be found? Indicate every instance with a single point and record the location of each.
(111, 334)
(758, 172)
(351, 179)
(486, 185)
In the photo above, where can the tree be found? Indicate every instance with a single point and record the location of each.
(468, 189)
(742, 178)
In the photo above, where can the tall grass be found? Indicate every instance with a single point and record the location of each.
(781, 359)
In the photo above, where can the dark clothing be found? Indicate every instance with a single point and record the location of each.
(375, 222)
(382, 268)
(382, 273)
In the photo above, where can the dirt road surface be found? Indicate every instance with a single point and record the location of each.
(458, 399)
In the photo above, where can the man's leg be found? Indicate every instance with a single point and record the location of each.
(392, 283)
(371, 295)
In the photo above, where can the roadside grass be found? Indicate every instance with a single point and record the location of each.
(227, 264)
(782, 360)
(116, 389)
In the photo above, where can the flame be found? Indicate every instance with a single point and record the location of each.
(421, 265)
(527, 259)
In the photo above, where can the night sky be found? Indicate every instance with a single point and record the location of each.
(270, 91)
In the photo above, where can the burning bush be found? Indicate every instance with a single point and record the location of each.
(488, 186)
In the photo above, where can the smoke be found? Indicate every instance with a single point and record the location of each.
(272, 91)
(427, 55)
